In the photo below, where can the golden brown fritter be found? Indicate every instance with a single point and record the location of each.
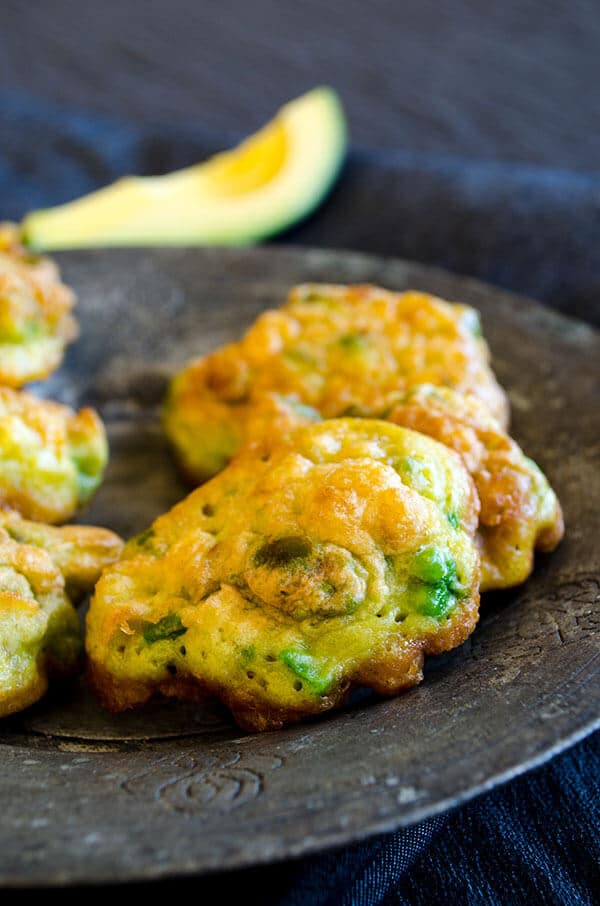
(79, 551)
(340, 350)
(337, 560)
(51, 458)
(520, 512)
(40, 566)
(35, 313)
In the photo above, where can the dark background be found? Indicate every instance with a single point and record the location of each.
(511, 80)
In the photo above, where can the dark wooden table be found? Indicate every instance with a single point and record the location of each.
(516, 80)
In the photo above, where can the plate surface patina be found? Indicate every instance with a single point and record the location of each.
(176, 788)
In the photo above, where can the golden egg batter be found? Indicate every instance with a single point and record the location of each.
(337, 350)
(35, 313)
(519, 512)
(51, 458)
(42, 569)
(338, 560)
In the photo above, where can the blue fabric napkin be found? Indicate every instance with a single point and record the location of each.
(533, 230)
(530, 229)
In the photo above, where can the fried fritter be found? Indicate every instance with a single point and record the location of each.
(40, 638)
(35, 313)
(520, 512)
(338, 560)
(51, 458)
(79, 551)
(340, 350)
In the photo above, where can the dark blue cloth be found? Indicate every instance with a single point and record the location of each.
(533, 230)
(530, 229)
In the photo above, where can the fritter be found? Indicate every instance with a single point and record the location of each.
(35, 313)
(340, 350)
(520, 512)
(338, 560)
(40, 638)
(51, 458)
(79, 551)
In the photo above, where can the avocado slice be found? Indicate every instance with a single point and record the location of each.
(269, 182)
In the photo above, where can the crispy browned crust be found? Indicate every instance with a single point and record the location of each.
(118, 696)
(17, 700)
(30, 287)
(80, 552)
(515, 518)
(39, 629)
(284, 566)
(350, 356)
(398, 666)
(58, 431)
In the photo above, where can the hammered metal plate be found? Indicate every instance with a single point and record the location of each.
(175, 789)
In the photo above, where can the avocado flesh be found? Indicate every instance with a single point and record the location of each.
(274, 179)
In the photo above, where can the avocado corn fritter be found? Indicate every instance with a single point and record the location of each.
(35, 313)
(51, 458)
(340, 350)
(42, 570)
(338, 560)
